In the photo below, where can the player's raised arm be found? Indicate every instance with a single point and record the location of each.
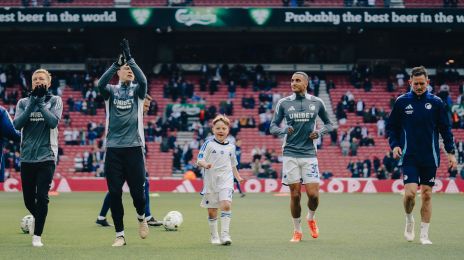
(103, 86)
(141, 79)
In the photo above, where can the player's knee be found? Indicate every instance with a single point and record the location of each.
(225, 205)
(313, 197)
(409, 194)
(426, 195)
(295, 196)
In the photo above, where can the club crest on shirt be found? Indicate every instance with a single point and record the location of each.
(428, 106)
(312, 107)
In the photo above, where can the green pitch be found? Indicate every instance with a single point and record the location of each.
(352, 226)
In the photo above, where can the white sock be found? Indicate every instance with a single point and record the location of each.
(120, 234)
(424, 230)
(213, 227)
(310, 215)
(410, 217)
(101, 218)
(34, 237)
(297, 224)
(141, 217)
(225, 221)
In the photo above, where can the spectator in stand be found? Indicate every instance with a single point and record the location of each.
(381, 173)
(390, 85)
(381, 127)
(360, 107)
(354, 147)
(376, 163)
(231, 88)
(367, 85)
(460, 150)
(345, 145)
(396, 174)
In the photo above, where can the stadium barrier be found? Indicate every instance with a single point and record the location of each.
(336, 185)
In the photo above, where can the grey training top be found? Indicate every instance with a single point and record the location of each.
(124, 108)
(300, 112)
(39, 129)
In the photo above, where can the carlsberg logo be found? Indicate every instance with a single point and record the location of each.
(190, 17)
(260, 16)
(141, 16)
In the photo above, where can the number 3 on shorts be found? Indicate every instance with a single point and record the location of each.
(313, 171)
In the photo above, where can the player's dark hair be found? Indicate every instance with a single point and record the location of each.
(418, 71)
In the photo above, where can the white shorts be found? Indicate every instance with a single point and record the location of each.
(212, 200)
(300, 170)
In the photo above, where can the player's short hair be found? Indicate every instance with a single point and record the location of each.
(44, 71)
(303, 74)
(418, 71)
(222, 118)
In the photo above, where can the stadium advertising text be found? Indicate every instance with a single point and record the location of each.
(336, 185)
(200, 17)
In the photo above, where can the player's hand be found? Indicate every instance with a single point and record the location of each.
(290, 130)
(314, 135)
(120, 61)
(208, 165)
(41, 90)
(125, 49)
(397, 152)
(453, 163)
(35, 91)
(240, 179)
(146, 103)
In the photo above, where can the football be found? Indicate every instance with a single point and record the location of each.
(172, 220)
(26, 223)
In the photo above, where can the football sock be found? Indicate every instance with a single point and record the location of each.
(225, 221)
(310, 215)
(297, 224)
(213, 227)
(101, 218)
(120, 234)
(424, 229)
(410, 217)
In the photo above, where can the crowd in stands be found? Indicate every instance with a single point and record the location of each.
(163, 128)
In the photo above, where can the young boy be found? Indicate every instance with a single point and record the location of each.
(217, 157)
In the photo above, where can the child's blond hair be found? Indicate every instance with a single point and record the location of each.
(222, 118)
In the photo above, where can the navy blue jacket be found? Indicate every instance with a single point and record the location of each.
(7, 132)
(414, 124)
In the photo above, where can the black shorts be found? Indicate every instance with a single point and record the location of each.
(422, 175)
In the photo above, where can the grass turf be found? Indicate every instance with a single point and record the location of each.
(352, 226)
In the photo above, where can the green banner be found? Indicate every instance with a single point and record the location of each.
(211, 17)
(192, 110)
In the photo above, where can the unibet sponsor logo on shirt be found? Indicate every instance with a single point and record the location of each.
(36, 117)
(123, 104)
(301, 116)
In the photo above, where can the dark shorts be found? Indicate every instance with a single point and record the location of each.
(423, 175)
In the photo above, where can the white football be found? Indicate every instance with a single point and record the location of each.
(26, 223)
(172, 220)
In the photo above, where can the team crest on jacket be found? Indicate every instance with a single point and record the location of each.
(428, 106)
(312, 107)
